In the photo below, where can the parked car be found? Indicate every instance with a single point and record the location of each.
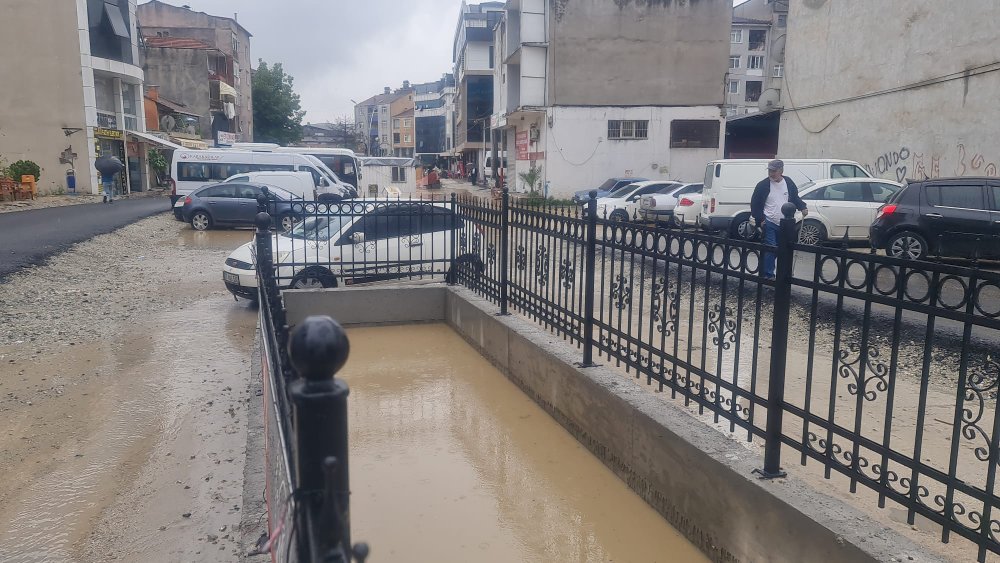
(623, 204)
(659, 208)
(729, 185)
(944, 216)
(233, 204)
(605, 189)
(841, 208)
(377, 239)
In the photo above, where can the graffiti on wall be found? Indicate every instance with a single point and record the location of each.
(903, 163)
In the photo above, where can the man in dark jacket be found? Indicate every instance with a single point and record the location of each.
(765, 207)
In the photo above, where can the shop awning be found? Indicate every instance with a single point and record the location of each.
(226, 90)
(155, 139)
(191, 143)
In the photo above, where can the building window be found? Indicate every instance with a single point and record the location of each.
(734, 62)
(385, 109)
(398, 174)
(406, 123)
(736, 36)
(757, 40)
(782, 20)
(755, 62)
(734, 86)
(236, 45)
(779, 71)
(395, 123)
(694, 134)
(395, 138)
(385, 139)
(407, 138)
(628, 129)
(491, 56)
(753, 90)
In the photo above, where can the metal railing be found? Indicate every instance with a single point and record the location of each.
(879, 370)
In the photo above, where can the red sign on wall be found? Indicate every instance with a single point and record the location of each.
(521, 142)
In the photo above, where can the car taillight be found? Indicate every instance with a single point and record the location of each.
(685, 202)
(711, 206)
(886, 210)
(187, 200)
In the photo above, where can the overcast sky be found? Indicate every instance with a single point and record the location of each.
(338, 50)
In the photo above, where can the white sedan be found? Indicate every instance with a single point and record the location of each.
(842, 208)
(623, 204)
(666, 208)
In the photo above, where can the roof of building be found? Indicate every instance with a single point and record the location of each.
(325, 126)
(205, 13)
(176, 43)
(175, 107)
(749, 21)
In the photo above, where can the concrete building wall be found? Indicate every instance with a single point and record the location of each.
(182, 76)
(661, 53)
(33, 114)
(574, 153)
(942, 129)
(477, 56)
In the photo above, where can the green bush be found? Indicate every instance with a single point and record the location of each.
(24, 168)
(157, 160)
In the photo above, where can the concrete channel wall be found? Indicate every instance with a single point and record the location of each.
(697, 478)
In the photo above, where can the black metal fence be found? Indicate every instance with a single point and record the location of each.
(881, 371)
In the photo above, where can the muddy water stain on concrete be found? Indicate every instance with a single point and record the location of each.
(143, 429)
(452, 462)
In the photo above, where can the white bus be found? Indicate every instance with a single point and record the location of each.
(192, 169)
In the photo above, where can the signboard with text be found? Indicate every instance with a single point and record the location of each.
(521, 142)
(225, 139)
(104, 133)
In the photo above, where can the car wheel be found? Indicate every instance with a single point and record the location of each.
(314, 278)
(907, 244)
(286, 222)
(742, 229)
(812, 232)
(618, 216)
(201, 221)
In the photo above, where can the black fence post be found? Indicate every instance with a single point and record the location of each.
(779, 345)
(588, 286)
(265, 261)
(504, 247)
(453, 278)
(318, 348)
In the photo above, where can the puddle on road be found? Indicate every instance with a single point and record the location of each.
(143, 430)
(221, 239)
(452, 462)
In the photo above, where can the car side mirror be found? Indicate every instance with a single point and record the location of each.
(358, 238)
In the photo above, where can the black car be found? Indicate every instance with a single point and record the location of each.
(234, 204)
(944, 216)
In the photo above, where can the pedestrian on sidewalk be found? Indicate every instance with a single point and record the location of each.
(474, 174)
(765, 208)
(108, 166)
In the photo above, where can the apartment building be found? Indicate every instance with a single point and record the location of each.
(474, 57)
(78, 92)
(222, 44)
(434, 114)
(756, 56)
(587, 90)
(403, 130)
(373, 122)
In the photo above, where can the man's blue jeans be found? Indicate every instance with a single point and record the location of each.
(771, 239)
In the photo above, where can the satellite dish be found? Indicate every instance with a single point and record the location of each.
(167, 123)
(770, 100)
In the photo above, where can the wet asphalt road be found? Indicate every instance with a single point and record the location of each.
(29, 237)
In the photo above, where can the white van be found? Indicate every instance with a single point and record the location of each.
(343, 162)
(729, 186)
(192, 169)
(298, 183)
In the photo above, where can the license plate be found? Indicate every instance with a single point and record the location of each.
(230, 278)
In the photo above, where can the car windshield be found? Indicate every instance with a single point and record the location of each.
(317, 228)
(323, 168)
(623, 191)
(607, 185)
(671, 189)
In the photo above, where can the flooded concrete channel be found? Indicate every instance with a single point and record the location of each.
(452, 462)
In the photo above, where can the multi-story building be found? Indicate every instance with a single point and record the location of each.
(401, 112)
(339, 135)
(88, 99)
(756, 56)
(228, 63)
(923, 108)
(434, 114)
(373, 122)
(590, 90)
(474, 58)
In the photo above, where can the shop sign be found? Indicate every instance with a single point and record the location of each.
(521, 143)
(108, 133)
(226, 139)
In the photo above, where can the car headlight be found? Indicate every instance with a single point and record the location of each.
(238, 264)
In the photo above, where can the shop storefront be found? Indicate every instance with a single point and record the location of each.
(112, 141)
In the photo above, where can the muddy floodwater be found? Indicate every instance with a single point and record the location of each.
(452, 462)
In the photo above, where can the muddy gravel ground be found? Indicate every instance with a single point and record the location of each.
(124, 385)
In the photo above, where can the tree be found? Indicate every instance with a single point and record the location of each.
(277, 111)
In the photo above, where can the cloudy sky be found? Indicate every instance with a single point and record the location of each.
(338, 50)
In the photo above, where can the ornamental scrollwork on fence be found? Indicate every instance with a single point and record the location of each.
(365, 247)
(491, 253)
(411, 241)
(722, 325)
(980, 387)
(567, 273)
(849, 368)
(665, 318)
(621, 292)
(463, 240)
(521, 257)
(542, 265)
(477, 241)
